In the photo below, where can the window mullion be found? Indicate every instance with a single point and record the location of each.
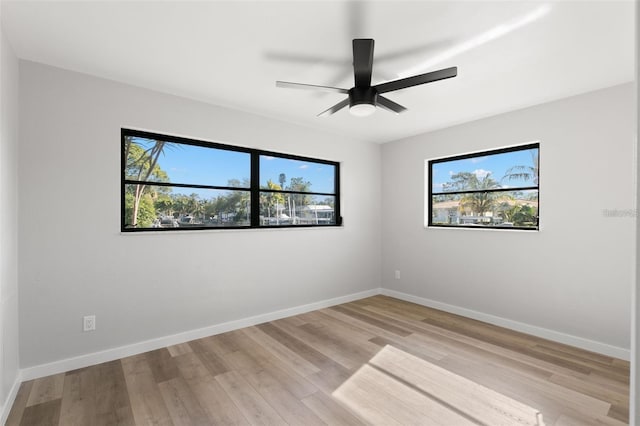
(255, 189)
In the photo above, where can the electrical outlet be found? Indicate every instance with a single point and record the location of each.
(397, 274)
(89, 323)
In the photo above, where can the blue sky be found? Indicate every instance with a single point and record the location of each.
(495, 165)
(206, 166)
(320, 175)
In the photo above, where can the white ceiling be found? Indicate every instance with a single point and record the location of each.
(509, 54)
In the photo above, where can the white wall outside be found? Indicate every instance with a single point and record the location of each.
(73, 260)
(573, 276)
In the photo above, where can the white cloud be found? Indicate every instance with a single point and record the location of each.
(304, 166)
(268, 157)
(481, 173)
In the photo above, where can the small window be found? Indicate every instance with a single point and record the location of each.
(171, 183)
(297, 192)
(496, 189)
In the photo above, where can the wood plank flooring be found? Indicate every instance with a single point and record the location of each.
(374, 361)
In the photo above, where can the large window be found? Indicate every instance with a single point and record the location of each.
(492, 189)
(171, 183)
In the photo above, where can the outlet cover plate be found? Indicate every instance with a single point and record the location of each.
(89, 323)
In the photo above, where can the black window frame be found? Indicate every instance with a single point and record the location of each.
(431, 193)
(254, 188)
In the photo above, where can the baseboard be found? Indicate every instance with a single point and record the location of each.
(11, 397)
(545, 333)
(82, 361)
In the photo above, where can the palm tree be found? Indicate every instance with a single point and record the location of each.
(142, 165)
(525, 173)
(272, 202)
(481, 200)
(298, 200)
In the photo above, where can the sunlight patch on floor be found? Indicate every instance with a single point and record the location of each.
(397, 388)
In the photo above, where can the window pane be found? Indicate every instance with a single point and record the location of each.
(177, 207)
(489, 209)
(515, 169)
(281, 209)
(185, 164)
(296, 175)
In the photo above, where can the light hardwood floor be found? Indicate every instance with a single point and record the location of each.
(374, 361)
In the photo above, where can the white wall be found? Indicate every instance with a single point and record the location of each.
(634, 404)
(8, 221)
(73, 260)
(574, 276)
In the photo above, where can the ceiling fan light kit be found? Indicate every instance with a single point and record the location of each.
(362, 110)
(362, 101)
(363, 98)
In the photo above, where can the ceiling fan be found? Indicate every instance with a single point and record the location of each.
(363, 98)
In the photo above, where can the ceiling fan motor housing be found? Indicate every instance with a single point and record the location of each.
(363, 95)
(364, 98)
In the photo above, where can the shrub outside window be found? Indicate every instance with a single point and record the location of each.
(172, 183)
(496, 189)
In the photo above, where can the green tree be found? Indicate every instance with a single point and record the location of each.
(519, 214)
(508, 211)
(299, 200)
(142, 165)
(525, 215)
(272, 202)
(193, 204)
(328, 201)
(479, 202)
(237, 183)
(196, 207)
(187, 205)
(237, 204)
(146, 212)
(231, 206)
(164, 204)
(180, 204)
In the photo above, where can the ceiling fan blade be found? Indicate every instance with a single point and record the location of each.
(417, 80)
(290, 85)
(389, 105)
(362, 61)
(337, 107)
